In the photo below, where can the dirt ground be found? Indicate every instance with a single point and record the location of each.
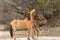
(50, 33)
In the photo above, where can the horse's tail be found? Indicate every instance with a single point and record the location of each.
(11, 31)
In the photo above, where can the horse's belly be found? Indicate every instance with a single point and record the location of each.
(22, 26)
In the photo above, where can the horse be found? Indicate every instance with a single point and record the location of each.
(15, 24)
(37, 20)
(31, 25)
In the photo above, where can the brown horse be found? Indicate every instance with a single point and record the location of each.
(32, 25)
(37, 20)
(33, 22)
(29, 24)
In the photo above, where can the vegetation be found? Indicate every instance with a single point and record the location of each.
(18, 9)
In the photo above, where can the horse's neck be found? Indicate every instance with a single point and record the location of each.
(32, 19)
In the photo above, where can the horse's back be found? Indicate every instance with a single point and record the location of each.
(19, 23)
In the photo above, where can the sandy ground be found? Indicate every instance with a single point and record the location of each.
(39, 38)
(51, 34)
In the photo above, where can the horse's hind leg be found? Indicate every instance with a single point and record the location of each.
(28, 34)
(14, 36)
(32, 33)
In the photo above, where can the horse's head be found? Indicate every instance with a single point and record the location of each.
(40, 18)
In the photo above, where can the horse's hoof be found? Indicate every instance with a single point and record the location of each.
(28, 38)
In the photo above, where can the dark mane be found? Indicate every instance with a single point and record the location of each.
(36, 17)
(28, 17)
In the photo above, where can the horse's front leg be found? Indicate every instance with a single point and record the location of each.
(36, 35)
(32, 33)
(36, 32)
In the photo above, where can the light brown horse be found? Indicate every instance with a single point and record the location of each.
(29, 24)
(37, 20)
(32, 25)
(33, 21)
(33, 18)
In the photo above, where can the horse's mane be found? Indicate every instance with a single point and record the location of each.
(28, 17)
